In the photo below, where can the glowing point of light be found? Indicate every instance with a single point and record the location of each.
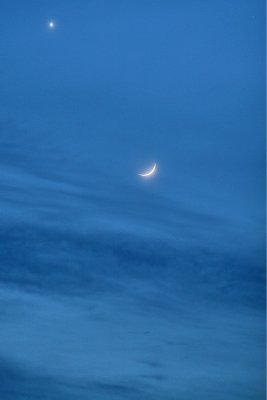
(51, 24)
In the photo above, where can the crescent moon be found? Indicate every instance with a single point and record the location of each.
(150, 172)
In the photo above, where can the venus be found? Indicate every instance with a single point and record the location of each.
(51, 24)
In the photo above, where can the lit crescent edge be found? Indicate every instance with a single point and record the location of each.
(149, 172)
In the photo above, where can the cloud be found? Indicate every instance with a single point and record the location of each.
(109, 262)
(19, 382)
(107, 346)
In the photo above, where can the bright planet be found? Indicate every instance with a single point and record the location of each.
(51, 24)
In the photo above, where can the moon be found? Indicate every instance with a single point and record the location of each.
(149, 172)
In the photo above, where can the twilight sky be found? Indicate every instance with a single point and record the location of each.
(114, 287)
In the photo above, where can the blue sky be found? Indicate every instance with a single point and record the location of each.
(113, 286)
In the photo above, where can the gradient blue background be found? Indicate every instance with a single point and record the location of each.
(113, 287)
